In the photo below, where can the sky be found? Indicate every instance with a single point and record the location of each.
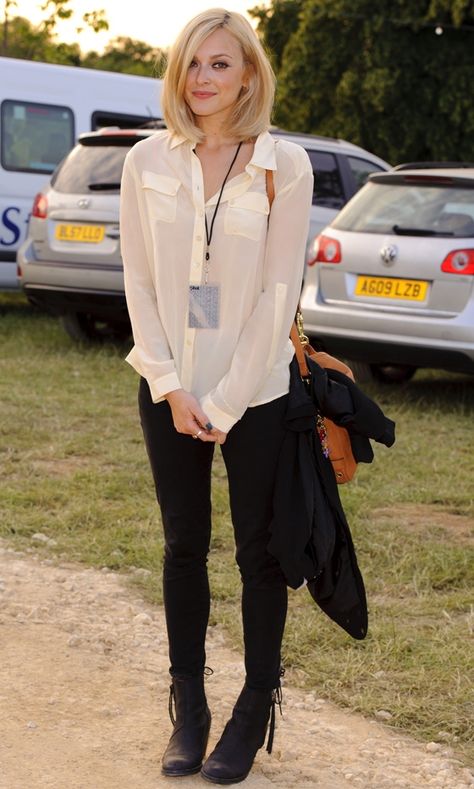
(157, 21)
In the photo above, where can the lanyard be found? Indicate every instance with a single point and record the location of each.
(209, 232)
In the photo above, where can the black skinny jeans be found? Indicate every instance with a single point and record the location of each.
(181, 468)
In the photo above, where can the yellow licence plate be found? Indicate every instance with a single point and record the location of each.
(391, 288)
(91, 234)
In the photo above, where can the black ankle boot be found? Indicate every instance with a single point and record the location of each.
(234, 754)
(188, 743)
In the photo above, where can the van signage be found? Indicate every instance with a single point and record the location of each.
(9, 228)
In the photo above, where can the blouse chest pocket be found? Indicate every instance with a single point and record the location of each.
(246, 215)
(161, 193)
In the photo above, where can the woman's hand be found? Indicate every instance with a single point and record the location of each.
(190, 419)
(220, 436)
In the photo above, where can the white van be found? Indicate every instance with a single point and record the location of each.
(43, 109)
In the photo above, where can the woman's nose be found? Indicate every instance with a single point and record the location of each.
(202, 75)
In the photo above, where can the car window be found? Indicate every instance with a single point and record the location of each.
(100, 118)
(89, 169)
(361, 169)
(463, 208)
(35, 137)
(328, 189)
(378, 207)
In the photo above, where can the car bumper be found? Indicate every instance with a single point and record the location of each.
(60, 301)
(385, 337)
(376, 352)
(61, 288)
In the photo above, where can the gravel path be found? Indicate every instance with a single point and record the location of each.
(84, 695)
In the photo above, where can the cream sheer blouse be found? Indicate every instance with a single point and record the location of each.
(256, 260)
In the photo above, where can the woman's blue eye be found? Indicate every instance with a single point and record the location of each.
(221, 64)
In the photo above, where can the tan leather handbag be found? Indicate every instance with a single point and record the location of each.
(334, 439)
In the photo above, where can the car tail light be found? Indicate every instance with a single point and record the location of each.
(460, 261)
(326, 250)
(40, 206)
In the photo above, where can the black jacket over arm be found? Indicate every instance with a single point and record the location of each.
(310, 536)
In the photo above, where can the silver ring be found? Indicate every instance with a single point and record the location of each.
(196, 435)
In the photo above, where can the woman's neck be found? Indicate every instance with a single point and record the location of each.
(215, 136)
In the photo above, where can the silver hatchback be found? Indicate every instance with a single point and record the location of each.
(70, 262)
(390, 282)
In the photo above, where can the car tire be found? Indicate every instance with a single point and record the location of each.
(385, 373)
(393, 373)
(82, 327)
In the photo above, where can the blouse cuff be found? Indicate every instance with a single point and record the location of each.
(220, 419)
(161, 386)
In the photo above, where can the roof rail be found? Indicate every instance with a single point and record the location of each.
(278, 130)
(155, 123)
(432, 165)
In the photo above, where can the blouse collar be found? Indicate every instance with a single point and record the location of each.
(263, 154)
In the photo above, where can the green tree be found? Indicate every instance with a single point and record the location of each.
(96, 20)
(7, 6)
(30, 42)
(276, 24)
(58, 9)
(129, 56)
(394, 77)
(21, 39)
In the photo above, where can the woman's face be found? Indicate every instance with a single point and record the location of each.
(215, 76)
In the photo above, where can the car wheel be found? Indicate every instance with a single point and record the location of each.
(83, 327)
(386, 373)
(392, 373)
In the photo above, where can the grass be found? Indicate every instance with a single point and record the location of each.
(73, 467)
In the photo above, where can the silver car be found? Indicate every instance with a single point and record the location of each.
(390, 282)
(70, 262)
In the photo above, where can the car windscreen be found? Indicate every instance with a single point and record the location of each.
(91, 169)
(410, 209)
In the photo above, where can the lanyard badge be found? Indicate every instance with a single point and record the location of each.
(204, 306)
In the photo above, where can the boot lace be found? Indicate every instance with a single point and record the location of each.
(277, 698)
(172, 705)
(172, 701)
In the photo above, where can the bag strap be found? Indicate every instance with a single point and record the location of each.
(299, 351)
(270, 186)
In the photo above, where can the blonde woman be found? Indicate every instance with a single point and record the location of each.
(212, 282)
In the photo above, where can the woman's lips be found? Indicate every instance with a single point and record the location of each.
(201, 94)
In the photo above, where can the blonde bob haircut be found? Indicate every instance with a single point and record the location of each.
(252, 111)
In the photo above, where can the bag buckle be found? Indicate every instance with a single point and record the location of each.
(304, 340)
